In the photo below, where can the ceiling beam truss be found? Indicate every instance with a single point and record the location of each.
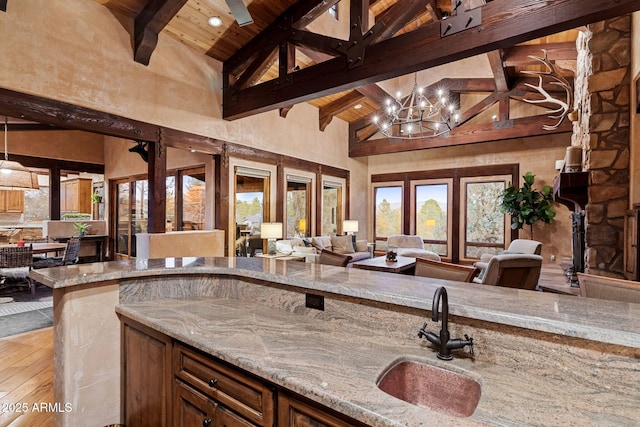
(505, 23)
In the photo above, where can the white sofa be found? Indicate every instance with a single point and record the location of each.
(411, 246)
(314, 245)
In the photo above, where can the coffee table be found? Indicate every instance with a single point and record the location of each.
(403, 264)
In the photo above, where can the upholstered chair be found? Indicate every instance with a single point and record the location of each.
(444, 270)
(411, 246)
(328, 257)
(513, 271)
(592, 286)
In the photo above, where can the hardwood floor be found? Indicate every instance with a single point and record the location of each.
(26, 379)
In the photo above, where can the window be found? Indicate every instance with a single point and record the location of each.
(485, 226)
(298, 206)
(193, 199)
(132, 214)
(388, 211)
(251, 208)
(170, 204)
(431, 216)
(331, 208)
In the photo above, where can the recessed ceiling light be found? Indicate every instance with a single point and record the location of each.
(357, 106)
(215, 21)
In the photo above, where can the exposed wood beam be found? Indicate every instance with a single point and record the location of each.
(318, 42)
(67, 116)
(499, 73)
(148, 24)
(505, 23)
(433, 11)
(29, 127)
(260, 64)
(397, 17)
(520, 55)
(468, 134)
(374, 93)
(278, 31)
(338, 106)
(3, 5)
(478, 108)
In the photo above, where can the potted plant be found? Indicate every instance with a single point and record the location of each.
(95, 198)
(526, 205)
(81, 228)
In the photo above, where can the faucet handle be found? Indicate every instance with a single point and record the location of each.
(469, 343)
(422, 333)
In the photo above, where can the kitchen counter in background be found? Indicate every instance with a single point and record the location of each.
(542, 359)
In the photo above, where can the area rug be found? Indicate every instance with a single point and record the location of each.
(26, 312)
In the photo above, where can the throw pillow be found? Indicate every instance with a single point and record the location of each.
(361, 246)
(342, 244)
(307, 242)
(317, 243)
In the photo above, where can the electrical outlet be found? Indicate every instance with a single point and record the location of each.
(553, 258)
(314, 301)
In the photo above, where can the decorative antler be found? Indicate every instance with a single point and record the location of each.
(556, 79)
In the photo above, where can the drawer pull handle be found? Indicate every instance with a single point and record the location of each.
(213, 382)
(206, 423)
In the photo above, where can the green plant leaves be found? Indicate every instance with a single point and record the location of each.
(527, 205)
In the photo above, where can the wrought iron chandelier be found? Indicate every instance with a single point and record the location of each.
(416, 116)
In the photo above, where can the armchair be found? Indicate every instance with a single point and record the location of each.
(411, 246)
(328, 257)
(520, 271)
(444, 270)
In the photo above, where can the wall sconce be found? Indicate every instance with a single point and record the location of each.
(271, 231)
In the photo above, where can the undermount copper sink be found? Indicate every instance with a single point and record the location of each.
(431, 387)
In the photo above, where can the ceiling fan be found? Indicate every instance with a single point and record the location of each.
(240, 12)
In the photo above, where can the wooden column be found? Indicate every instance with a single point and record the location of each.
(157, 186)
(54, 192)
(222, 176)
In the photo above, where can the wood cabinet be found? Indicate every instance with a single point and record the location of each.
(146, 376)
(168, 383)
(249, 398)
(12, 201)
(75, 196)
(296, 412)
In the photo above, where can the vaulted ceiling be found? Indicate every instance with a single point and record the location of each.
(289, 54)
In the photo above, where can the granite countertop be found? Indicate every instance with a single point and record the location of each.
(339, 367)
(598, 320)
(335, 366)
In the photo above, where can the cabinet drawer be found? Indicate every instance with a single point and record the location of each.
(294, 412)
(241, 393)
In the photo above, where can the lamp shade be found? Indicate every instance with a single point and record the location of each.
(14, 176)
(350, 225)
(271, 230)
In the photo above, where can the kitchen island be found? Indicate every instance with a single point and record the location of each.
(541, 359)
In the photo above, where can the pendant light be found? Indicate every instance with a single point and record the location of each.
(14, 176)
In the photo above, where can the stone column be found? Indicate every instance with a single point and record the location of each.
(603, 96)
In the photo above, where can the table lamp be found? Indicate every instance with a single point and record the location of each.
(271, 231)
(350, 226)
(302, 227)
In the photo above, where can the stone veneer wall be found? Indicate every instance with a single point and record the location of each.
(602, 96)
